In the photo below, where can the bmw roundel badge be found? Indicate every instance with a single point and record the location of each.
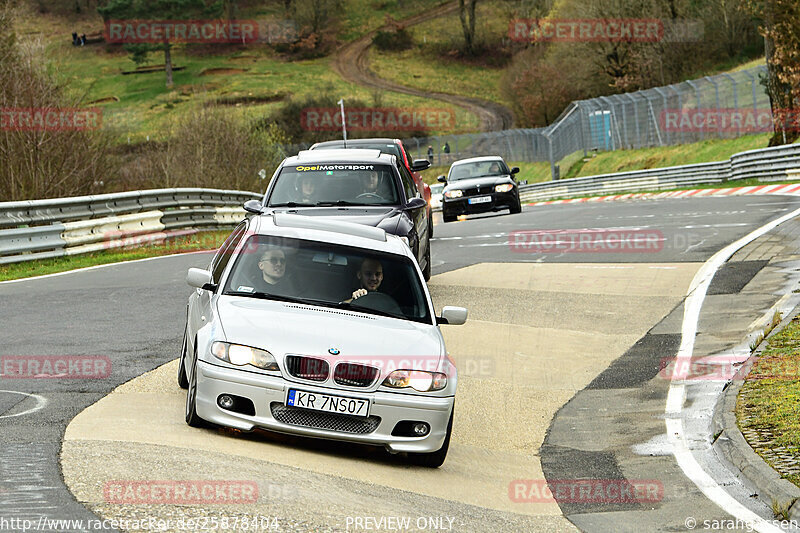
(333, 351)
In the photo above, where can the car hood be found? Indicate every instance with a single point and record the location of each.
(382, 217)
(287, 328)
(476, 182)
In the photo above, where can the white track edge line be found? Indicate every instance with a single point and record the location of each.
(677, 391)
(94, 267)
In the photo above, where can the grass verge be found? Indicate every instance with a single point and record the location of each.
(205, 240)
(769, 400)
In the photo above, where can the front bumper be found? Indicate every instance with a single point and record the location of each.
(461, 206)
(264, 391)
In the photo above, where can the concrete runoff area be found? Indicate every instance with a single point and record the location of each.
(512, 381)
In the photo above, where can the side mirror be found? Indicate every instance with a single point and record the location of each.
(200, 279)
(253, 206)
(442, 179)
(420, 164)
(514, 170)
(454, 316)
(415, 203)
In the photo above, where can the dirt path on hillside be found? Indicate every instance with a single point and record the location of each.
(352, 64)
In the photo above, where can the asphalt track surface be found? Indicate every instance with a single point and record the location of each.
(133, 314)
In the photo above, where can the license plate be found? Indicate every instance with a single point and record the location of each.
(327, 402)
(480, 200)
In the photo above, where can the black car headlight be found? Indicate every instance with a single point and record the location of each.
(504, 187)
(455, 193)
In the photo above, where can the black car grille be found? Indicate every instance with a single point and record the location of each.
(309, 368)
(297, 416)
(482, 190)
(355, 375)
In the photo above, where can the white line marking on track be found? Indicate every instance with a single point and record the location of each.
(40, 403)
(677, 390)
(84, 269)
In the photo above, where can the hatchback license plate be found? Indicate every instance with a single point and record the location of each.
(480, 200)
(327, 403)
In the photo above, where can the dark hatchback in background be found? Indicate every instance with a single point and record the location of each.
(479, 185)
(396, 148)
(360, 186)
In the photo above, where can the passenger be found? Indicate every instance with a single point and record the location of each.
(272, 270)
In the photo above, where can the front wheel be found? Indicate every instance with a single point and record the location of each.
(516, 208)
(183, 381)
(448, 218)
(192, 418)
(426, 272)
(434, 459)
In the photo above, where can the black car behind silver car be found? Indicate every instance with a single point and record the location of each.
(360, 186)
(478, 185)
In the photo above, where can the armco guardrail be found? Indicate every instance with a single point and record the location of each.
(768, 164)
(41, 229)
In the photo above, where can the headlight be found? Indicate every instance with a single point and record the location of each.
(416, 379)
(455, 193)
(504, 188)
(239, 355)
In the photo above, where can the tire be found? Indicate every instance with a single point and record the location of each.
(430, 224)
(447, 218)
(434, 459)
(183, 381)
(192, 417)
(426, 272)
(516, 209)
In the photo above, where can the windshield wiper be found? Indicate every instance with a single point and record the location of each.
(292, 204)
(370, 310)
(282, 298)
(335, 204)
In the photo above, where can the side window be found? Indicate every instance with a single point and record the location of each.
(225, 251)
(408, 183)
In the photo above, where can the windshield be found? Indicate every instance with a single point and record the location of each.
(326, 274)
(437, 189)
(478, 169)
(327, 184)
(385, 148)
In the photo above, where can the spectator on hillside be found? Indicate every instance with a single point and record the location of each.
(446, 148)
(430, 153)
(75, 40)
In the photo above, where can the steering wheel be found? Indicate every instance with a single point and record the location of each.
(379, 301)
(370, 195)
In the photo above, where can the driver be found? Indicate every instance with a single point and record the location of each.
(494, 168)
(370, 275)
(372, 184)
(307, 187)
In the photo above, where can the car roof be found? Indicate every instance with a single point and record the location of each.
(349, 155)
(320, 229)
(478, 160)
(338, 142)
